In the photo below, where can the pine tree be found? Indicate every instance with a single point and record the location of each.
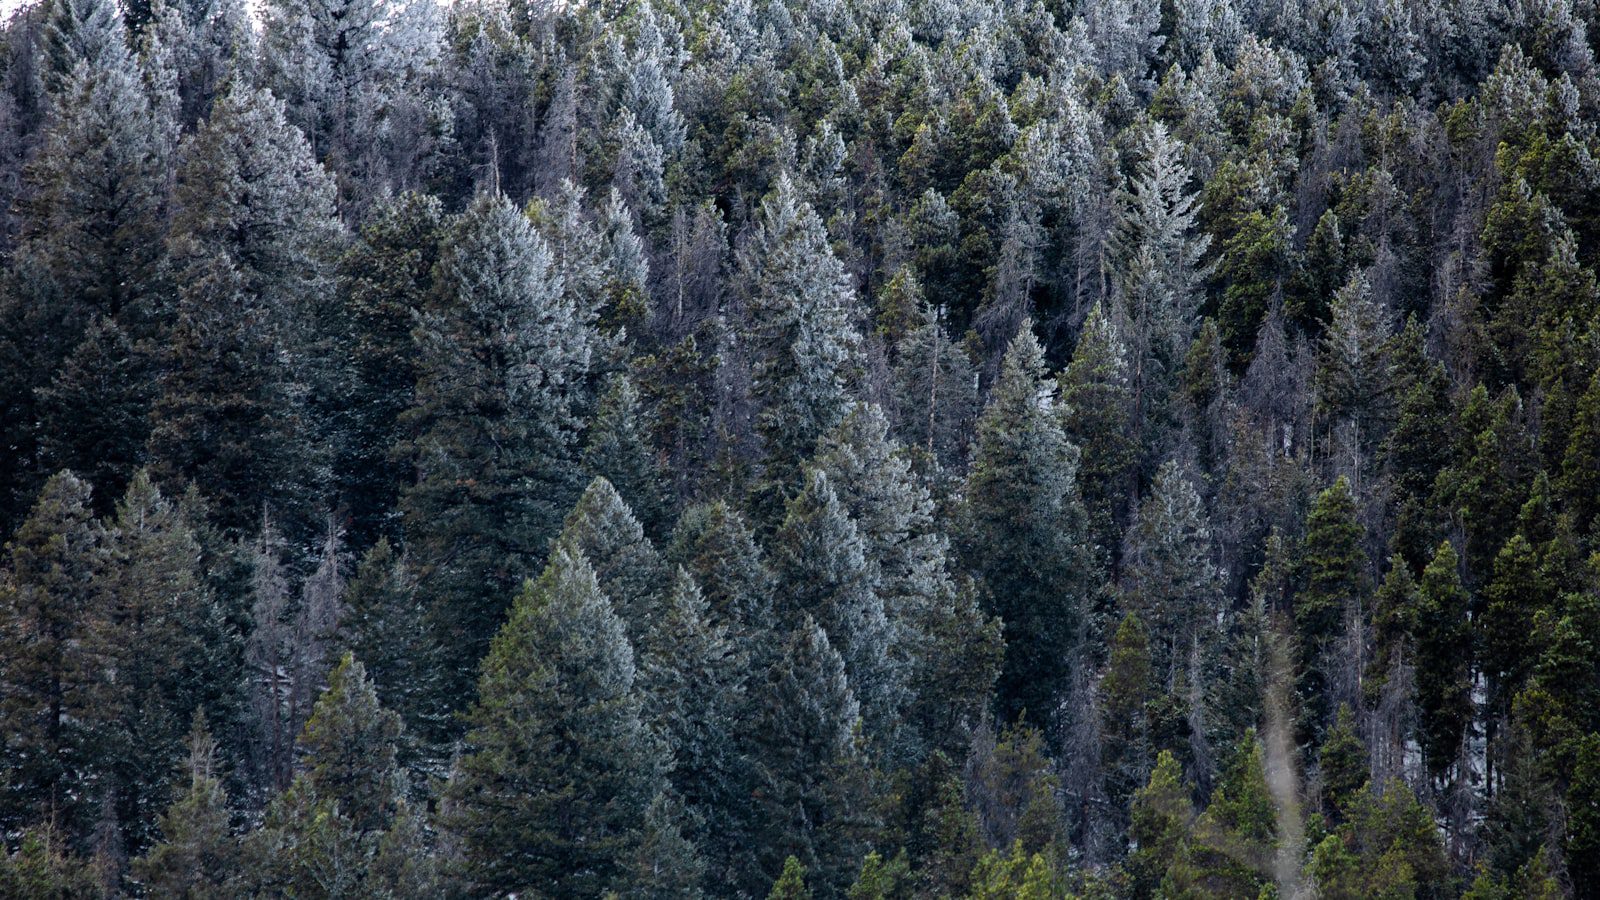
(45, 591)
(1230, 852)
(1336, 582)
(791, 884)
(694, 683)
(813, 803)
(1159, 269)
(198, 854)
(1162, 817)
(1354, 372)
(1342, 766)
(559, 768)
(944, 645)
(386, 626)
(1444, 660)
(140, 638)
(385, 280)
(269, 663)
(87, 258)
(936, 387)
(349, 750)
(1097, 394)
(618, 448)
(491, 429)
(823, 572)
(1168, 575)
(1126, 691)
(1025, 533)
(714, 543)
(630, 571)
(800, 314)
(250, 251)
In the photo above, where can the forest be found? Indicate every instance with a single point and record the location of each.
(800, 449)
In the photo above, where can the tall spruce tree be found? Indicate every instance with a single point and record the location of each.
(492, 430)
(385, 280)
(618, 448)
(559, 768)
(46, 590)
(800, 316)
(1024, 532)
(251, 252)
(198, 856)
(823, 573)
(1444, 660)
(1168, 574)
(141, 639)
(1336, 584)
(1097, 395)
(814, 798)
(630, 571)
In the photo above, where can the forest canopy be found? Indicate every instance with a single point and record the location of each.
(869, 449)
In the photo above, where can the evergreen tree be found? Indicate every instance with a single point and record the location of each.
(1162, 817)
(1168, 576)
(1342, 765)
(820, 560)
(1024, 532)
(714, 543)
(1097, 394)
(630, 571)
(1231, 850)
(140, 638)
(492, 427)
(1444, 660)
(385, 280)
(250, 250)
(559, 769)
(813, 800)
(801, 316)
(46, 589)
(693, 676)
(935, 389)
(618, 449)
(946, 648)
(197, 856)
(1126, 691)
(1336, 582)
(385, 624)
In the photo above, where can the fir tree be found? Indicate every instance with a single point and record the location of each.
(802, 336)
(630, 571)
(492, 427)
(1024, 531)
(1336, 581)
(715, 544)
(251, 253)
(1162, 817)
(1168, 576)
(813, 804)
(45, 591)
(692, 674)
(385, 280)
(559, 768)
(1444, 660)
(944, 645)
(197, 856)
(1097, 393)
(820, 560)
(618, 449)
(386, 625)
(141, 640)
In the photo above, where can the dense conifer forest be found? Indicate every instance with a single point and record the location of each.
(868, 449)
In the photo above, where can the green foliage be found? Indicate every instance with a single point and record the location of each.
(559, 769)
(1025, 533)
